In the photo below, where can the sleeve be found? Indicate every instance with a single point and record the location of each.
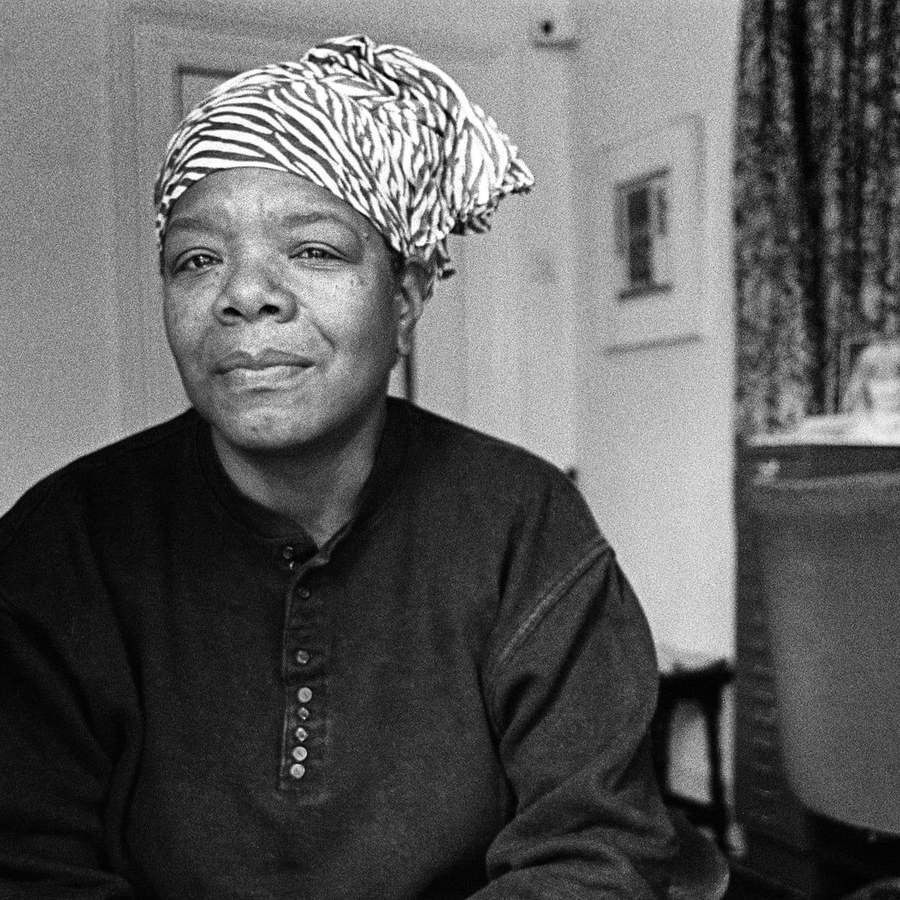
(571, 690)
(55, 775)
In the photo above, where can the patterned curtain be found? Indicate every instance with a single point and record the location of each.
(817, 209)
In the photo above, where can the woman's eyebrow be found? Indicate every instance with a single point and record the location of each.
(193, 223)
(288, 221)
(297, 220)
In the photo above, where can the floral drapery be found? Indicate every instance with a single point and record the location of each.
(817, 208)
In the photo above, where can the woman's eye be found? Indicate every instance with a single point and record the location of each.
(195, 262)
(316, 253)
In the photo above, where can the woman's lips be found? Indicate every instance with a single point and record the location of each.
(263, 358)
(267, 368)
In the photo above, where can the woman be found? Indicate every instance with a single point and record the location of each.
(304, 641)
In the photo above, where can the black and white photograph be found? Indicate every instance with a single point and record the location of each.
(450, 451)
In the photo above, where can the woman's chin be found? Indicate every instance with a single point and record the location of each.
(275, 430)
(270, 432)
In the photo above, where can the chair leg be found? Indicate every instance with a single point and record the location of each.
(661, 729)
(712, 717)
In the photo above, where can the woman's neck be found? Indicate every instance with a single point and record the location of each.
(318, 486)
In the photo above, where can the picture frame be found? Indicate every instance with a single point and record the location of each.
(651, 217)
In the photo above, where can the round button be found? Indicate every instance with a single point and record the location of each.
(287, 551)
(303, 714)
(304, 695)
(304, 593)
(302, 657)
(299, 753)
(297, 771)
(301, 733)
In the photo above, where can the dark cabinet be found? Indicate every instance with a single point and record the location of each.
(794, 852)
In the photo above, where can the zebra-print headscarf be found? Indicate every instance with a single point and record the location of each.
(382, 129)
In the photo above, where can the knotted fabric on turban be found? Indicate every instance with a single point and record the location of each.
(382, 129)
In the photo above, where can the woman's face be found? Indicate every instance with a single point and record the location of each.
(282, 310)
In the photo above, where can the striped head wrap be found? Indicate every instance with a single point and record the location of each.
(382, 129)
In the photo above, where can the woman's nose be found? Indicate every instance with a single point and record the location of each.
(252, 290)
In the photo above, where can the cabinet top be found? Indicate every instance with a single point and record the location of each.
(850, 429)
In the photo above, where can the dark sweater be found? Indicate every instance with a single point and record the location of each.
(449, 699)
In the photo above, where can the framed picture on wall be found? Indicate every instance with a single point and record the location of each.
(643, 248)
(652, 236)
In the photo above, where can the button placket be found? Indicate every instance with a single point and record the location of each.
(288, 556)
(303, 661)
(297, 752)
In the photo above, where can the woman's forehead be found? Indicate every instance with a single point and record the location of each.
(251, 194)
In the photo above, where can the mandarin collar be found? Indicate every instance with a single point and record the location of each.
(275, 526)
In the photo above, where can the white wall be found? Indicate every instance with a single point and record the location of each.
(59, 383)
(655, 423)
(654, 435)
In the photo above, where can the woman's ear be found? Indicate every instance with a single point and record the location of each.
(413, 288)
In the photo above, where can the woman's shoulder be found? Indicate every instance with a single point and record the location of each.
(467, 468)
(469, 451)
(140, 463)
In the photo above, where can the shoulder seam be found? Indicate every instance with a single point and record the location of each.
(598, 547)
